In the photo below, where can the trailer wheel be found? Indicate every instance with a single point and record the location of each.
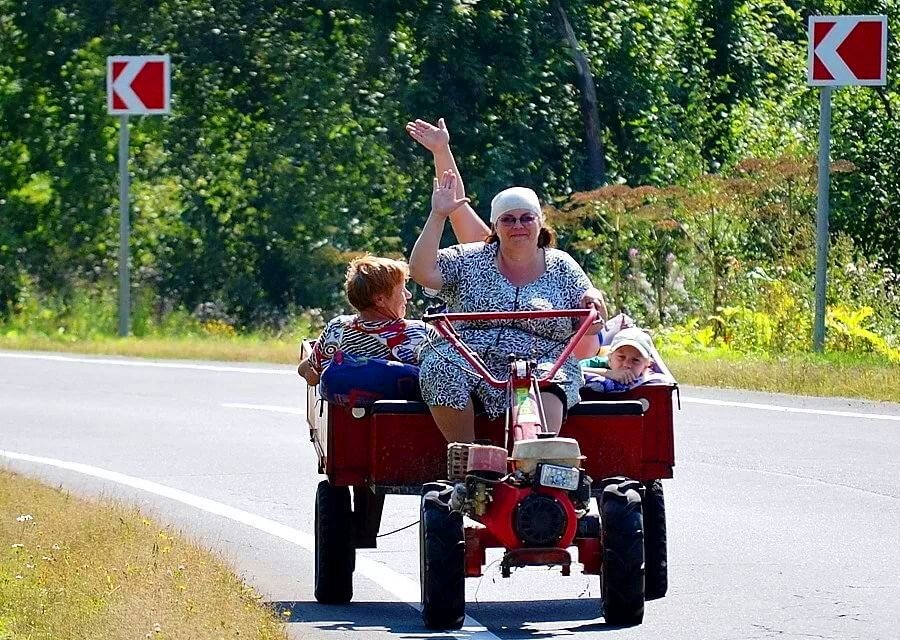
(622, 569)
(656, 581)
(442, 557)
(335, 555)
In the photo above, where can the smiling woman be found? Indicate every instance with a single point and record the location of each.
(514, 269)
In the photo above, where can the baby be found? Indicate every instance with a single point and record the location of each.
(630, 356)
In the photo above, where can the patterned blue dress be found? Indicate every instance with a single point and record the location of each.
(472, 282)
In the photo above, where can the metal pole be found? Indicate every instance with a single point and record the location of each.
(124, 231)
(822, 217)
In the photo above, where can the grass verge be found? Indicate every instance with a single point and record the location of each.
(236, 349)
(71, 568)
(838, 374)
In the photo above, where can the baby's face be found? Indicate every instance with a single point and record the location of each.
(628, 358)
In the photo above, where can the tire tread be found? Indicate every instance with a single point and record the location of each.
(442, 564)
(622, 569)
(335, 554)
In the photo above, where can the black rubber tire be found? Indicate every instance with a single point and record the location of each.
(442, 571)
(656, 571)
(335, 554)
(440, 486)
(622, 568)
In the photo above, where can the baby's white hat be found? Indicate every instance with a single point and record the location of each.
(514, 198)
(633, 337)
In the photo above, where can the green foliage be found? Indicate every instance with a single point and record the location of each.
(728, 261)
(91, 314)
(285, 153)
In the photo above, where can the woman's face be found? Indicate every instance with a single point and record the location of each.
(395, 303)
(518, 227)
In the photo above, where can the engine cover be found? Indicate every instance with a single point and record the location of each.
(562, 451)
(540, 520)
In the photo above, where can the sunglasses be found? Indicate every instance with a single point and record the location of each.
(510, 221)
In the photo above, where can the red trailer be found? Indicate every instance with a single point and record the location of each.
(394, 447)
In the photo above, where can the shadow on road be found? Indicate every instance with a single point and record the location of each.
(507, 620)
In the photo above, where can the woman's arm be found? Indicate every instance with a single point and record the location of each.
(581, 293)
(590, 343)
(423, 259)
(466, 224)
(587, 347)
(593, 297)
(311, 367)
(309, 374)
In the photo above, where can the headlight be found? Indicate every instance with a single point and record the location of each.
(556, 477)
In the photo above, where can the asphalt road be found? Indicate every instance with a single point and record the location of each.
(782, 522)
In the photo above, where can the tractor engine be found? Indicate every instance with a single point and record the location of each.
(540, 520)
(539, 503)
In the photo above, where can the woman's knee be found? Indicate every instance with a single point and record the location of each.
(554, 410)
(457, 425)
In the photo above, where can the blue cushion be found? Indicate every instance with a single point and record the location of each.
(358, 381)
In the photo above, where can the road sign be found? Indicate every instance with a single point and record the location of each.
(843, 50)
(137, 85)
(847, 50)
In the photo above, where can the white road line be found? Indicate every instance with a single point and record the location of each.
(265, 407)
(291, 372)
(144, 363)
(772, 407)
(397, 584)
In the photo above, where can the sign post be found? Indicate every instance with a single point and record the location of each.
(822, 212)
(135, 85)
(843, 51)
(124, 230)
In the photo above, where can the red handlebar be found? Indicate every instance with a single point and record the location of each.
(442, 322)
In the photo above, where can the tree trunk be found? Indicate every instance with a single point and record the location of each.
(720, 19)
(588, 91)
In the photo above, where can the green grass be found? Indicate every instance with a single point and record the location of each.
(837, 374)
(76, 569)
(236, 349)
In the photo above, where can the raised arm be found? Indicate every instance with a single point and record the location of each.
(466, 224)
(423, 259)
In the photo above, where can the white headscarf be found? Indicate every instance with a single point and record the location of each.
(512, 199)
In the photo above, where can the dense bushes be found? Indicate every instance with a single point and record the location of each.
(730, 260)
(285, 152)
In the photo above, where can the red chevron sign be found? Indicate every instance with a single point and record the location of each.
(137, 85)
(847, 50)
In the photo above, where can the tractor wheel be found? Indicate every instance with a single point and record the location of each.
(622, 569)
(656, 580)
(442, 558)
(440, 486)
(335, 555)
